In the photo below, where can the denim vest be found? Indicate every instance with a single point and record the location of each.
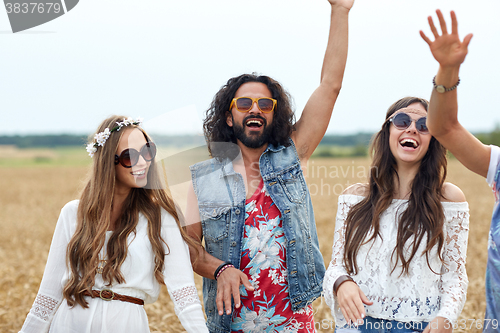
(221, 201)
(492, 281)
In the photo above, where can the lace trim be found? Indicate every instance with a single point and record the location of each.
(185, 297)
(43, 307)
(440, 294)
(336, 267)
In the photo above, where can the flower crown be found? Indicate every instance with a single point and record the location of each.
(100, 138)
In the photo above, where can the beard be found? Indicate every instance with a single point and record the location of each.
(255, 139)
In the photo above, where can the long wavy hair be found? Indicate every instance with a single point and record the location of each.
(216, 129)
(424, 216)
(94, 219)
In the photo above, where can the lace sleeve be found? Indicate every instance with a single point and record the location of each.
(336, 267)
(454, 281)
(49, 295)
(179, 279)
(185, 297)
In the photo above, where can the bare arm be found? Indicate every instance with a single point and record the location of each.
(442, 119)
(312, 125)
(229, 281)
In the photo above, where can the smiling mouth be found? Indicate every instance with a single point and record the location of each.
(254, 123)
(139, 173)
(409, 143)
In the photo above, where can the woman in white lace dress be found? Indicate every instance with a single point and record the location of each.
(398, 262)
(113, 248)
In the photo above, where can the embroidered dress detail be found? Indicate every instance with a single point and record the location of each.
(263, 260)
(43, 307)
(422, 294)
(51, 313)
(185, 297)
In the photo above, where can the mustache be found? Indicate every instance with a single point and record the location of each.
(264, 122)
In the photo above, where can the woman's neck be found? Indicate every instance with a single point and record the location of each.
(404, 179)
(119, 198)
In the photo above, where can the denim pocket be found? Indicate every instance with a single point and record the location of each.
(294, 185)
(215, 222)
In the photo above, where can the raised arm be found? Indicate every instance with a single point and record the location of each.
(442, 119)
(312, 125)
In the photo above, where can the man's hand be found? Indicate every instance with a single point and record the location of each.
(228, 284)
(439, 325)
(351, 299)
(447, 49)
(344, 3)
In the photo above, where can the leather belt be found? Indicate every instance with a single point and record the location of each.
(109, 295)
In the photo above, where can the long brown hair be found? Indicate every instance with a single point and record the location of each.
(94, 219)
(424, 215)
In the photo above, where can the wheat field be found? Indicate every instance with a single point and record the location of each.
(31, 198)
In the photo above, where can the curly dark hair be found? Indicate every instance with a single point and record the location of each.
(216, 129)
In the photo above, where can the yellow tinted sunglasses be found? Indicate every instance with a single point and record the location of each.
(244, 104)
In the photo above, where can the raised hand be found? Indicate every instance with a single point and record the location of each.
(228, 284)
(447, 48)
(343, 3)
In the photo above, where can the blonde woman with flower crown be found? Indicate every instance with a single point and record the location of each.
(113, 248)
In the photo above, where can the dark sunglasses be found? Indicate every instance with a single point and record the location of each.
(402, 121)
(244, 104)
(129, 157)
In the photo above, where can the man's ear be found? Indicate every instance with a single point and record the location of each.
(229, 119)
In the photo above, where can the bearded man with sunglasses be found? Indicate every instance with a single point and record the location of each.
(251, 205)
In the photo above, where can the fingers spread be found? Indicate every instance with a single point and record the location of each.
(236, 295)
(425, 38)
(433, 27)
(246, 283)
(442, 22)
(454, 23)
(467, 41)
(227, 299)
(218, 301)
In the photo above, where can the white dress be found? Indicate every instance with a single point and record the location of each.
(51, 313)
(422, 294)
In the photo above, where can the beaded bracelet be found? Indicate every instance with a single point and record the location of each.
(221, 268)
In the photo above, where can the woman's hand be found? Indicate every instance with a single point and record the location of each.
(439, 325)
(343, 3)
(351, 299)
(447, 48)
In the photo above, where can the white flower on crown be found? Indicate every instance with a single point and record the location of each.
(100, 138)
(91, 149)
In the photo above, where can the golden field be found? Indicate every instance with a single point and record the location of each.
(32, 196)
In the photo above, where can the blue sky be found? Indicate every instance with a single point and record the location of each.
(164, 61)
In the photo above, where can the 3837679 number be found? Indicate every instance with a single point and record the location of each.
(468, 324)
(33, 7)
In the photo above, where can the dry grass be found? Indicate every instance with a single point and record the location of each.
(31, 198)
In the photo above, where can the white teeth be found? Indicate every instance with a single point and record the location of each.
(413, 142)
(253, 121)
(139, 173)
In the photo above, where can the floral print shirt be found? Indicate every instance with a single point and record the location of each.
(263, 260)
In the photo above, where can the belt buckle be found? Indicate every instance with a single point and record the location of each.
(104, 298)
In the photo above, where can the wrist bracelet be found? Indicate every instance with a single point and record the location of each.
(223, 269)
(442, 89)
(339, 281)
(221, 266)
